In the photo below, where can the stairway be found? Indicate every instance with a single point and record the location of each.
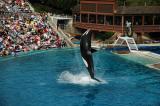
(129, 41)
(131, 45)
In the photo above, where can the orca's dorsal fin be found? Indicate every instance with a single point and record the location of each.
(93, 50)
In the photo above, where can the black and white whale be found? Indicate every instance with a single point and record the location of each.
(86, 53)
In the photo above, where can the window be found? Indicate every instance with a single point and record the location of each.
(148, 20)
(138, 20)
(92, 18)
(100, 19)
(118, 20)
(109, 20)
(84, 18)
(157, 20)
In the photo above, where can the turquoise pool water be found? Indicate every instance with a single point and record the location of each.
(39, 80)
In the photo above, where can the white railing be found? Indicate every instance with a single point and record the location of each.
(131, 44)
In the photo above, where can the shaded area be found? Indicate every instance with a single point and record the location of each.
(55, 6)
(138, 2)
(90, 97)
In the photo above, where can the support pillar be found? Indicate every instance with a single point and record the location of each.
(143, 20)
(80, 18)
(153, 19)
(140, 37)
(93, 35)
(123, 25)
(88, 18)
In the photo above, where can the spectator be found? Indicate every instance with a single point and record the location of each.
(24, 31)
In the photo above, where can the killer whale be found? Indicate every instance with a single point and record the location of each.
(86, 53)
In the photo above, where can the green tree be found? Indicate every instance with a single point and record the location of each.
(138, 2)
(61, 5)
(104, 35)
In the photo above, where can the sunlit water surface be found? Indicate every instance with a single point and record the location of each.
(59, 78)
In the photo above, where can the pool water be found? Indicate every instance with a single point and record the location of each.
(34, 80)
(155, 49)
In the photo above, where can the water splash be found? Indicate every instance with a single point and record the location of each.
(79, 79)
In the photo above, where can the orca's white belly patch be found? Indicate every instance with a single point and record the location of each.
(85, 62)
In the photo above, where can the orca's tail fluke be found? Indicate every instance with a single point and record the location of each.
(96, 79)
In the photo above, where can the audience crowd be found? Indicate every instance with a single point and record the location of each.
(22, 30)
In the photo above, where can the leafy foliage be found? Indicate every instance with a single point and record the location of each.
(104, 35)
(65, 6)
(60, 6)
(138, 2)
